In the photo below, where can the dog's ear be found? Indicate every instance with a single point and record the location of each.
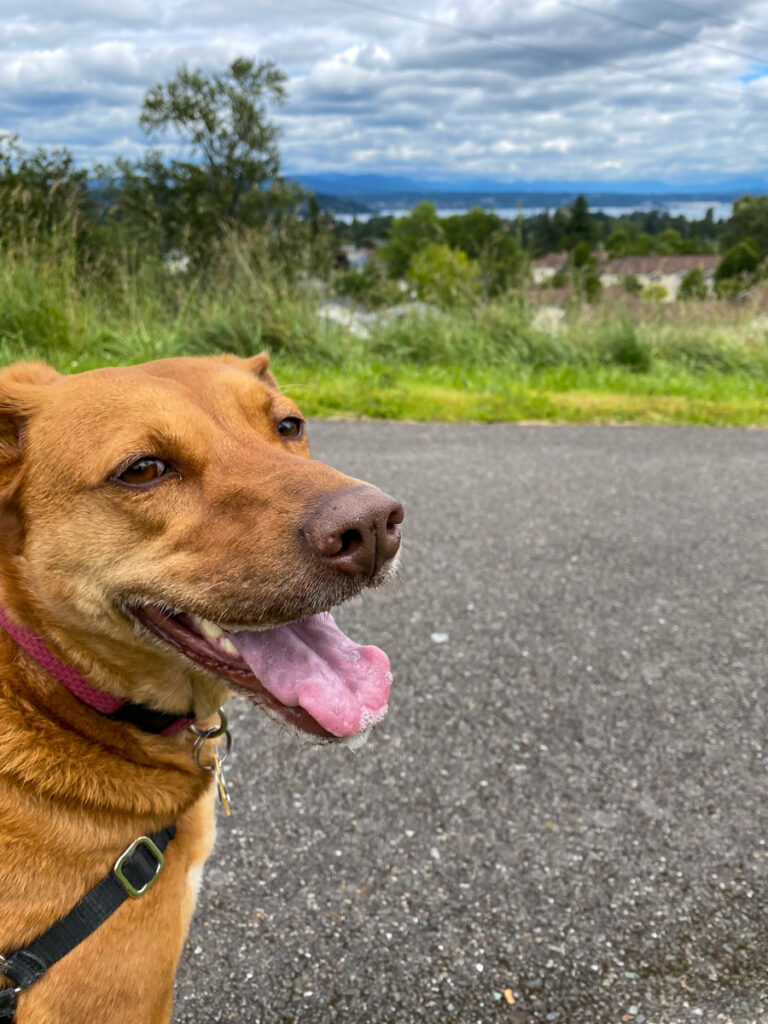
(21, 388)
(259, 366)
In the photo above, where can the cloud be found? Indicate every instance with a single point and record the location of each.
(547, 90)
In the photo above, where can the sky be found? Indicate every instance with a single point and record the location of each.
(604, 91)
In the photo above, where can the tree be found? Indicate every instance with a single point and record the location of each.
(617, 243)
(581, 225)
(669, 242)
(545, 236)
(471, 231)
(444, 276)
(586, 280)
(749, 221)
(231, 174)
(411, 233)
(641, 245)
(741, 261)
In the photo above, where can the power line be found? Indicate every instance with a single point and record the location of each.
(717, 17)
(661, 31)
(547, 51)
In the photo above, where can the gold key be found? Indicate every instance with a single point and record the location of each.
(223, 795)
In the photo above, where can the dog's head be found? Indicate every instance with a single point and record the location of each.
(164, 526)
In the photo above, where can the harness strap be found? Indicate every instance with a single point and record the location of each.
(134, 872)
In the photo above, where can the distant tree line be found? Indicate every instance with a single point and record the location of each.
(495, 253)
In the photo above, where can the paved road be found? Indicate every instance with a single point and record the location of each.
(567, 801)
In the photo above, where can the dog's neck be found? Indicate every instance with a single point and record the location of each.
(117, 708)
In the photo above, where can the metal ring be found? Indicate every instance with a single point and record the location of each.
(211, 734)
(215, 730)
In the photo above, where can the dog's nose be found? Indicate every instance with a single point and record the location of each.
(356, 530)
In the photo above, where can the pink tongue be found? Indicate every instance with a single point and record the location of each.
(313, 665)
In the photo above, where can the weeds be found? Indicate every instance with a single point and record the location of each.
(494, 360)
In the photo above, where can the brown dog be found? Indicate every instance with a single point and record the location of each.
(165, 539)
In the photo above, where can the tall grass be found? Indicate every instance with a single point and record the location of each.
(77, 314)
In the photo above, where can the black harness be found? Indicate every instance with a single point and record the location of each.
(137, 868)
(135, 871)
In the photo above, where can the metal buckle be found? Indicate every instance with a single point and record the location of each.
(119, 874)
(9, 997)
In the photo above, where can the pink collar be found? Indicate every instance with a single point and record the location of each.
(106, 703)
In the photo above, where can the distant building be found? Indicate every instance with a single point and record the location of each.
(654, 269)
(668, 271)
(547, 266)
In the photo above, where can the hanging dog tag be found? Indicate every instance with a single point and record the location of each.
(221, 785)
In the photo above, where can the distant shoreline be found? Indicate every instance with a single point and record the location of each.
(612, 206)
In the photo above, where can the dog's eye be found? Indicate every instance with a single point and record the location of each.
(144, 471)
(291, 427)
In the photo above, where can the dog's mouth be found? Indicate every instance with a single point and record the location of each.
(308, 672)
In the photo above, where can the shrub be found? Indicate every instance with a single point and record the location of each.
(593, 288)
(693, 286)
(631, 284)
(445, 276)
(740, 261)
(621, 345)
(409, 234)
(655, 292)
(371, 286)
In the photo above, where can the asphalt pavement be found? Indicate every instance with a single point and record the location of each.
(563, 817)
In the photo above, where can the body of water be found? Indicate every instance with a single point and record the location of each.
(694, 209)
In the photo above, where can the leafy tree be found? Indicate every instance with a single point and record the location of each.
(693, 286)
(641, 245)
(632, 284)
(471, 231)
(444, 276)
(741, 261)
(749, 222)
(231, 175)
(617, 243)
(411, 233)
(669, 242)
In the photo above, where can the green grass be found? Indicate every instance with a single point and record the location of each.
(560, 394)
(688, 363)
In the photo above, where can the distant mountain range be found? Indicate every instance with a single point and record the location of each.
(367, 193)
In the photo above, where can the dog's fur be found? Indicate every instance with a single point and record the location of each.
(76, 550)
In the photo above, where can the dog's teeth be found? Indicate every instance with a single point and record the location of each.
(227, 646)
(210, 629)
